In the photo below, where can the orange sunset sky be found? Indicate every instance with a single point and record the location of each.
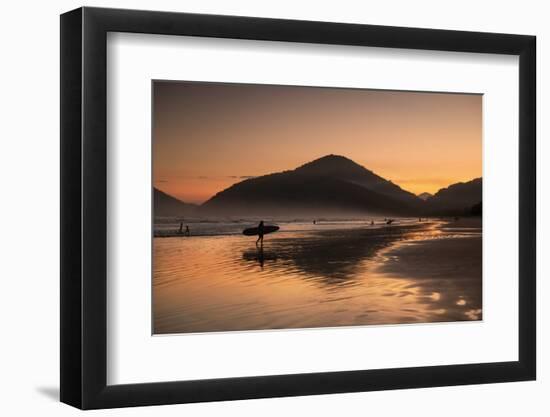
(207, 136)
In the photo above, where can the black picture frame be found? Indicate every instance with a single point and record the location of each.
(84, 207)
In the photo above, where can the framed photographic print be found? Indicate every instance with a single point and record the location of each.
(258, 208)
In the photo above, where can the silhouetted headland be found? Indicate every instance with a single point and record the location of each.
(329, 186)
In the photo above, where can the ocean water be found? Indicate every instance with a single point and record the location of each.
(215, 227)
(333, 273)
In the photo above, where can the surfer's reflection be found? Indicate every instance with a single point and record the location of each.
(261, 258)
(259, 255)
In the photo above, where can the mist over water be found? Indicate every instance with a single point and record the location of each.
(337, 272)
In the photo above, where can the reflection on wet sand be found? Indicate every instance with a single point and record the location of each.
(330, 257)
(428, 272)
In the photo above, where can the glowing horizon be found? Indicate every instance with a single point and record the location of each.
(208, 136)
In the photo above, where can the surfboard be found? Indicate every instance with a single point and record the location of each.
(253, 231)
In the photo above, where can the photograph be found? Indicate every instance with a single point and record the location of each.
(291, 207)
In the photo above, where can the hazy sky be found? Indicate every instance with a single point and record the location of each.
(207, 136)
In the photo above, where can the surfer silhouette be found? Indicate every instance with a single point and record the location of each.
(187, 232)
(260, 233)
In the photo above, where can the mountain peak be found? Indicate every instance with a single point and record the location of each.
(424, 196)
(330, 184)
(330, 165)
(457, 196)
(332, 157)
(168, 206)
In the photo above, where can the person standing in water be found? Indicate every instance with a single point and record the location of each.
(260, 233)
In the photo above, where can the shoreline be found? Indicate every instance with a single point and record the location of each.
(352, 225)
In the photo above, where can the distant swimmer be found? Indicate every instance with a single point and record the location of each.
(372, 222)
(181, 232)
(314, 222)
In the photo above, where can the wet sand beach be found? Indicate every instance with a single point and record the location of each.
(446, 270)
(336, 274)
